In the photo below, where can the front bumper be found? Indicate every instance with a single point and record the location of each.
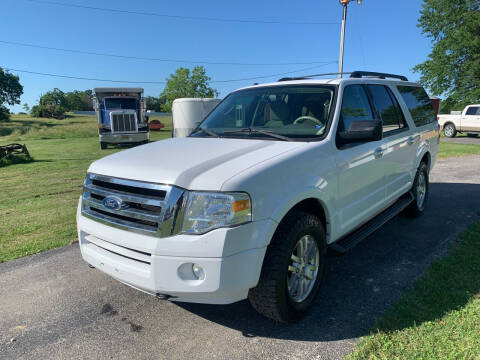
(124, 138)
(161, 266)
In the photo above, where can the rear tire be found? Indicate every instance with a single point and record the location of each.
(290, 282)
(103, 145)
(420, 191)
(449, 130)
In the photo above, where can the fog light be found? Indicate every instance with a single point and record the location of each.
(198, 272)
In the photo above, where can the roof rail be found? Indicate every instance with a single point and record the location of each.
(305, 77)
(355, 74)
(361, 74)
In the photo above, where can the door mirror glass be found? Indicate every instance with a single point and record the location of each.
(361, 131)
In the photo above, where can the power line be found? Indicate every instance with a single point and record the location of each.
(183, 17)
(155, 59)
(274, 75)
(158, 82)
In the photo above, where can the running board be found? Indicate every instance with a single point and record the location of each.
(351, 240)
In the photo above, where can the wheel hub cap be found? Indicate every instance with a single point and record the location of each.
(303, 268)
(421, 189)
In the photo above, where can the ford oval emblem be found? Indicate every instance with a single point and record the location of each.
(112, 203)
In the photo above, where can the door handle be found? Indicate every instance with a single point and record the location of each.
(412, 140)
(378, 153)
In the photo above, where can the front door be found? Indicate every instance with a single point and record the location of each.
(361, 170)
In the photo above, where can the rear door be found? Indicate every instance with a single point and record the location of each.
(398, 141)
(361, 173)
(471, 121)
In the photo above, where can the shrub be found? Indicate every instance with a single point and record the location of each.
(49, 111)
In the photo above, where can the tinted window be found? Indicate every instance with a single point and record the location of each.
(473, 110)
(120, 104)
(387, 107)
(355, 107)
(419, 104)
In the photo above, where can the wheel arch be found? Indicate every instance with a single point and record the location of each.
(427, 159)
(308, 202)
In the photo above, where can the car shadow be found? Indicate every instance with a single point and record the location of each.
(362, 284)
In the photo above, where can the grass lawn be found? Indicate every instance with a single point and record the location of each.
(38, 199)
(440, 317)
(452, 149)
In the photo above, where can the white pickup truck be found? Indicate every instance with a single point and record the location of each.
(246, 206)
(467, 122)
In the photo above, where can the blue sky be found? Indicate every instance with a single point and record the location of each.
(381, 36)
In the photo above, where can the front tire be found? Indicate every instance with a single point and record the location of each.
(293, 269)
(103, 145)
(449, 130)
(420, 190)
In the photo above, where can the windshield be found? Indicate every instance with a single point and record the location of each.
(293, 112)
(124, 104)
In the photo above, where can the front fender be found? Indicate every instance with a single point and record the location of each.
(289, 203)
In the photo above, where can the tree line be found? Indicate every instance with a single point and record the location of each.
(183, 83)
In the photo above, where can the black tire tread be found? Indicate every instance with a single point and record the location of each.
(263, 297)
(412, 210)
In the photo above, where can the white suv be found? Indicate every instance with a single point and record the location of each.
(247, 205)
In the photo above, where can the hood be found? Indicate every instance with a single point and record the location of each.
(191, 163)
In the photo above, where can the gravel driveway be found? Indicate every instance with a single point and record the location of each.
(52, 306)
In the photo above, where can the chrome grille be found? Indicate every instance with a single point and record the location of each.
(124, 122)
(139, 206)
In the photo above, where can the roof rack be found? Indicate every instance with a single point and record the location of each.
(355, 75)
(361, 74)
(305, 77)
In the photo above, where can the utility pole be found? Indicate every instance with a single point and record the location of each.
(344, 4)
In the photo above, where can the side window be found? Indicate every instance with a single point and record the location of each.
(355, 107)
(473, 110)
(419, 104)
(387, 106)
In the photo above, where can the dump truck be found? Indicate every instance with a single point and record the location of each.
(121, 116)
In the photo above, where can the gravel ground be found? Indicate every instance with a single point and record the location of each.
(52, 306)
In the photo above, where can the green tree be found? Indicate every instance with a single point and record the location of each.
(155, 103)
(452, 69)
(10, 92)
(79, 100)
(52, 104)
(187, 83)
(26, 107)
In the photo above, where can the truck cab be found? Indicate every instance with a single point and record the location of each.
(468, 121)
(121, 116)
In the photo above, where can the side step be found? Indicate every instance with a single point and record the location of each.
(351, 240)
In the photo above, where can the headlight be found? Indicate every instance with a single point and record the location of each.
(207, 211)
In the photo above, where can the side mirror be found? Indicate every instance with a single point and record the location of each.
(362, 131)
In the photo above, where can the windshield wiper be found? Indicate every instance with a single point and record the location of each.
(209, 132)
(257, 131)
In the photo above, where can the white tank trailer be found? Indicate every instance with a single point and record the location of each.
(188, 113)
